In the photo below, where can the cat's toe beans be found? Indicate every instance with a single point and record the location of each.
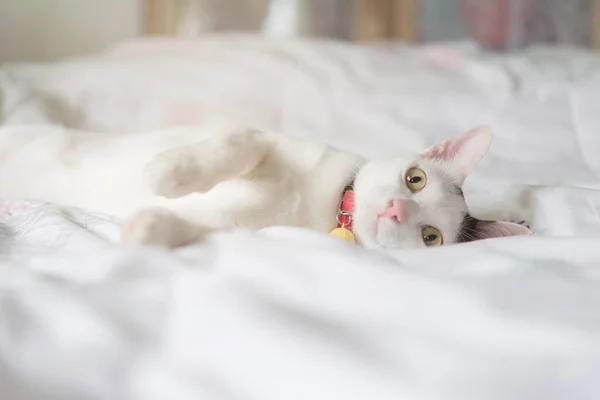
(521, 216)
(148, 227)
(524, 223)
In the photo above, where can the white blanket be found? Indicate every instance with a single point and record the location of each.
(290, 314)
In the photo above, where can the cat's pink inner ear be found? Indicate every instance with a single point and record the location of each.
(463, 151)
(494, 229)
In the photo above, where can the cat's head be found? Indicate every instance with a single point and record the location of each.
(417, 201)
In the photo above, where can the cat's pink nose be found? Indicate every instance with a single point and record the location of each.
(398, 210)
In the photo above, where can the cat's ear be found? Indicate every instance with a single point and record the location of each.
(495, 229)
(463, 151)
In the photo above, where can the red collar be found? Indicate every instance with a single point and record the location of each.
(344, 215)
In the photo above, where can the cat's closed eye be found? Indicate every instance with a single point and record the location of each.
(432, 236)
(416, 179)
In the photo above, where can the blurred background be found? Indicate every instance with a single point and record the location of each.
(39, 30)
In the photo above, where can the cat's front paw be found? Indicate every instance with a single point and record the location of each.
(523, 223)
(149, 227)
(175, 173)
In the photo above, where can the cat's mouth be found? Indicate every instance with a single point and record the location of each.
(388, 232)
(388, 220)
(390, 223)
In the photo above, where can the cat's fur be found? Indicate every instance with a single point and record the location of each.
(175, 186)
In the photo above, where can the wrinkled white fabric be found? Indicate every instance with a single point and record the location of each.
(291, 314)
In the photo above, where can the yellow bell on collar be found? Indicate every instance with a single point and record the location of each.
(343, 233)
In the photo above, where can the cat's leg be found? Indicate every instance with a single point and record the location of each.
(249, 203)
(159, 227)
(199, 167)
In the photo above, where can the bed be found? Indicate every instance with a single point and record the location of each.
(285, 313)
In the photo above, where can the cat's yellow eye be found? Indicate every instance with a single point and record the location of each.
(416, 179)
(431, 236)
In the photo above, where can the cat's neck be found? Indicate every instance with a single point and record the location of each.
(338, 171)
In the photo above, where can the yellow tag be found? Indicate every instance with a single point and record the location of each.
(343, 233)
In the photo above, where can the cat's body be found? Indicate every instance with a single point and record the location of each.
(294, 182)
(177, 185)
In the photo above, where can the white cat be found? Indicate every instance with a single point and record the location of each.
(175, 186)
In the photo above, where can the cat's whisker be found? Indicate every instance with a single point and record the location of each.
(469, 237)
(485, 235)
(466, 233)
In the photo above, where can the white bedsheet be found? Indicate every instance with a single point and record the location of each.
(291, 314)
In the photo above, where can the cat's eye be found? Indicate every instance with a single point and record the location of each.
(415, 179)
(431, 236)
